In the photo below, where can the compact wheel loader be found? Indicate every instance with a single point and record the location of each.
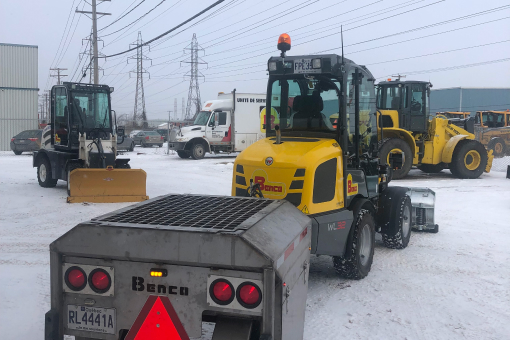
(322, 157)
(409, 138)
(79, 146)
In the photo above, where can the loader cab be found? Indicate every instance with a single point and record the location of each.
(492, 119)
(79, 108)
(404, 104)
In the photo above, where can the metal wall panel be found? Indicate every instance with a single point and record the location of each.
(18, 112)
(469, 99)
(18, 66)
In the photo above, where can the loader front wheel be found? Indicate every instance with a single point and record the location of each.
(395, 146)
(469, 159)
(359, 254)
(431, 168)
(44, 174)
(197, 151)
(398, 237)
(497, 145)
(183, 154)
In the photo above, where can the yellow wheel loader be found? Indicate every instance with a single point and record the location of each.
(449, 114)
(322, 157)
(79, 146)
(408, 137)
(492, 129)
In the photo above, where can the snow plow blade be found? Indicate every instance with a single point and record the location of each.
(107, 185)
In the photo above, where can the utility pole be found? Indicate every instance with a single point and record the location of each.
(168, 133)
(175, 108)
(58, 75)
(94, 18)
(139, 113)
(183, 109)
(194, 105)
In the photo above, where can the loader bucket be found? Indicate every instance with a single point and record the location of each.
(107, 185)
(423, 202)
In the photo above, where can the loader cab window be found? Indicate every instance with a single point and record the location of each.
(388, 97)
(61, 116)
(91, 110)
(417, 99)
(202, 118)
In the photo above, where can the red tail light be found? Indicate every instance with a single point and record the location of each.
(100, 281)
(147, 137)
(75, 278)
(222, 292)
(33, 139)
(162, 137)
(12, 139)
(249, 295)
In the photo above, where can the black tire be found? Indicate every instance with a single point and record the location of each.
(397, 236)
(469, 159)
(143, 145)
(396, 143)
(70, 168)
(17, 153)
(197, 151)
(431, 168)
(44, 174)
(124, 166)
(498, 147)
(354, 265)
(160, 145)
(183, 154)
(132, 147)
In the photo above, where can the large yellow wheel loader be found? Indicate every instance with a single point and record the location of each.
(322, 157)
(79, 146)
(492, 129)
(408, 137)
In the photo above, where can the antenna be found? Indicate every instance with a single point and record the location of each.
(398, 76)
(342, 39)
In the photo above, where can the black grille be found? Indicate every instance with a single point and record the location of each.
(204, 212)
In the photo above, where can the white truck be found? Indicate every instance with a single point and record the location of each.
(228, 124)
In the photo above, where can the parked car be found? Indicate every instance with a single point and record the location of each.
(127, 145)
(148, 138)
(133, 133)
(164, 133)
(28, 140)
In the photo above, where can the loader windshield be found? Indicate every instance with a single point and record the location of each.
(91, 110)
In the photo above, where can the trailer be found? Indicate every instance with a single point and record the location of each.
(230, 123)
(158, 269)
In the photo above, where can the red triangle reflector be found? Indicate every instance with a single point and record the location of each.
(157, 320)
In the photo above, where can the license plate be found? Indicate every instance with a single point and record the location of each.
(305, 66)
(91, 319)
(22, 141)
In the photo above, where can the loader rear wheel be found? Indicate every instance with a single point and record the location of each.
(431, 168)
(397, 145)
(497, 145)
(183, 154)
(44, 174)
(400, 219)
(469, 159)
(197, 151)
(357, 261)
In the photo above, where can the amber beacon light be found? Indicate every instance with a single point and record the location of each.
(284, 43)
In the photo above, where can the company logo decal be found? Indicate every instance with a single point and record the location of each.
(269, 161)
(352, 188)
(57, 139)
(268, 188)
(139, 285)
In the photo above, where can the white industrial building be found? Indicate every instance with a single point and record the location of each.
(18, 91)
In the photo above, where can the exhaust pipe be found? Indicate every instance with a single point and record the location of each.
(278, 134)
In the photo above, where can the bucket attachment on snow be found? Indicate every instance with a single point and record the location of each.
(423, 201)
(107, 185)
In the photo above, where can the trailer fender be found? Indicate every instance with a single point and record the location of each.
(446, 157)
(191, 142)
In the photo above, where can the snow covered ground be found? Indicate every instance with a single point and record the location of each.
(450, 285)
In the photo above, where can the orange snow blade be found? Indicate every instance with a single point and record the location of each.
(107, 185)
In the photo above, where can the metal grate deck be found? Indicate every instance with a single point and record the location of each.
(204, 212)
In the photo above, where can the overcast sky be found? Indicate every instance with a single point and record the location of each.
(389, 36)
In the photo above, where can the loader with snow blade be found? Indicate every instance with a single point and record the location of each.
(323, 158)
(79, 146)
(408, 137)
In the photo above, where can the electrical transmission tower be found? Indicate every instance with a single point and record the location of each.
(139, 113)
(89, 68)
(175, 108)
(95, 52)
(194, 105)
(58, 75)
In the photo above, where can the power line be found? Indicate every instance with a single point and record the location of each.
(122, 16)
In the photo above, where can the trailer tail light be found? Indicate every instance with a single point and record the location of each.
(222, 292)
(147, 137)
(75, 278)
(249, 295)
(100, 281)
